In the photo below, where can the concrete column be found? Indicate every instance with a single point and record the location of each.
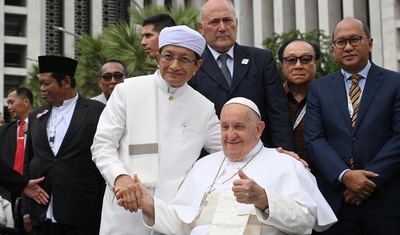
(263, 20)
(42, 29)
(196, 4)
(96, 17)
(159, 2)
(356, 9)
(284, 15)
(33, 26)
(375, 17)
(390, 32)
(329, 15)
(244, 14)
(178, 3)
(69, 26)
(306, 15)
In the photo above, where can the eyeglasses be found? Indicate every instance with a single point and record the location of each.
(341, 42)
(117, 76)
(181, 59)
(292, 60)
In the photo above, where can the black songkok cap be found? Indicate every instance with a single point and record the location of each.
(57, 64)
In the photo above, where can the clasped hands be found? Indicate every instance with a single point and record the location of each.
(128, 193)
(359, 187)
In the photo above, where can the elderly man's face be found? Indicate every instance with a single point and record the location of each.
(299, 73)
(177, 65)
(219, 25)
(240, 130)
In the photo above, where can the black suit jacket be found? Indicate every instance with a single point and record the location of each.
(254, 77)
(72, 178)
(10, 179)
(8, 140)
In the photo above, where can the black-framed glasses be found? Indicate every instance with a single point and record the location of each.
(183, 60)
(117, 76)
(341, 43)
(292, 60)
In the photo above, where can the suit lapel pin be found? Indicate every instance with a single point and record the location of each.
(245, 61)
(42, 113)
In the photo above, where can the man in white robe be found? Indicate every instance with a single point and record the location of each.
(248, 189)
(154, 126)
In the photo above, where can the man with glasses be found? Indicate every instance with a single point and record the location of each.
(352, 135)
(154, 126)
(299, 62)
(111, 73)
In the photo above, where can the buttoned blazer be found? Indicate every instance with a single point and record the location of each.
(374, 142)
(255, 77)
(71, 177)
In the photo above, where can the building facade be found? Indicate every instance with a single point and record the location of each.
(38, 27)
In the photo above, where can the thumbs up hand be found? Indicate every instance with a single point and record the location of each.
(247, 191)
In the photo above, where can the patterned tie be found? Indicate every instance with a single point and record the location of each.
(19, 153)
(225, 69)
(354, 94)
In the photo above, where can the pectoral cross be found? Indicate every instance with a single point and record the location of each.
(203, 203)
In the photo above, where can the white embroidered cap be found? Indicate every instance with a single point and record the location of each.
(246, 102)
(182, 36)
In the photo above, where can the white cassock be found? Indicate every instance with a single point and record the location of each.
(155, 131)
(296, 206)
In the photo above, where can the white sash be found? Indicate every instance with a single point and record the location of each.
(142, 129)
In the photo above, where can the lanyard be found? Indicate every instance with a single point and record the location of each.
(300, 117)
(211, 189)
(53, 127)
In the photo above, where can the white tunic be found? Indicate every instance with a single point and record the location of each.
(178, 147)
(296, 205)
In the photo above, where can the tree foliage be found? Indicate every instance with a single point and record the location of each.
(327, 63)
(33, 84)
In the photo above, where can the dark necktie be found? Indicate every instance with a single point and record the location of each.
(19, 153)
(225, 69)
(354, 94)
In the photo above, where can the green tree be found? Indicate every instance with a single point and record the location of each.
(118, 41)
(327, 63)
(32, 83)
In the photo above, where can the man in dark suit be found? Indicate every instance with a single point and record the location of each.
(12, 137)
(251, 73)
(59, 137)
(352, 134)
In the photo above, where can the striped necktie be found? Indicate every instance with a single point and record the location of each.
(354, 94)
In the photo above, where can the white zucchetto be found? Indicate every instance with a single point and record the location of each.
(246, 102)
(182, 36)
